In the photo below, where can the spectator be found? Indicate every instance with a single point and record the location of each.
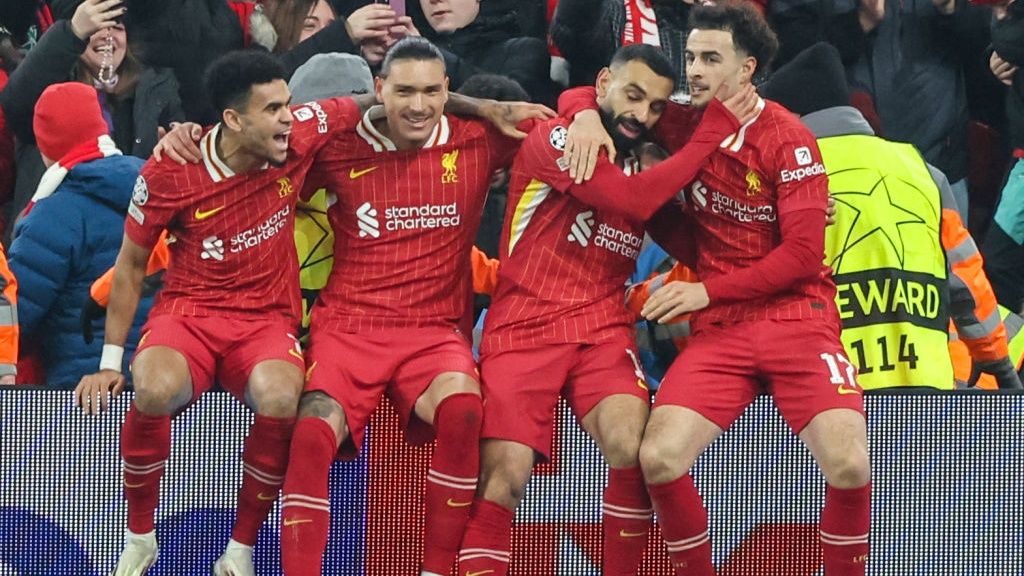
(913, 69)
(136, 100)
(486, 37)
(587, 33)
(8, 323)
(296, 20)
(72, 233)
(842, 23)
(1004, 243)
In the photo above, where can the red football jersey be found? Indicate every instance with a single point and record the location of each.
(564, 263)
(233, 249)
(404, 222)
(770, 167)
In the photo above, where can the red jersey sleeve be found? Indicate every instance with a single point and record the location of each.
(503, 148)
(155, 203)
(801, 182)
(575, 100)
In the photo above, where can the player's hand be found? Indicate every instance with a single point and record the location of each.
(180, 144)
(673, 299)
(91, 311)
(742, 104)
(870, 13)
(92, 16)
(830, 211)
(507, 115)
(369, 22)
(1001, 69)
(584, 141)
(8, 380)
(93, 392)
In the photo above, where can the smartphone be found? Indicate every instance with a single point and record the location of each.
(398, 6)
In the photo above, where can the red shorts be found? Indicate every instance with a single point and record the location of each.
(356, 369)
(521, 387)
(801, 363)
(222, 349)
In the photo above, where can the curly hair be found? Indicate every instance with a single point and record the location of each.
(751, 33)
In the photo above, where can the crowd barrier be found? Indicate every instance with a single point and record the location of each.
(948, 474)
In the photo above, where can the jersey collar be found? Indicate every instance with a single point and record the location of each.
(438, 137)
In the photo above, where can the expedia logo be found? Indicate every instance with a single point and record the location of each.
(801, 173)
(309, 110)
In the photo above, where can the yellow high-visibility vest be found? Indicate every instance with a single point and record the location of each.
(889, 265)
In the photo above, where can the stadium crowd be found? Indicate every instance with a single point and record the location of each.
(131, 129)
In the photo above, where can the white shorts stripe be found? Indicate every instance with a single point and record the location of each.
(304, 498)
(294, 504)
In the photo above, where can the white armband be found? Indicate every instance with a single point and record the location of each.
(112, 357)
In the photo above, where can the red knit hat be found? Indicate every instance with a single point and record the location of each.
(67, 115)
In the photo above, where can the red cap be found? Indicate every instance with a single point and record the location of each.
(67, 115)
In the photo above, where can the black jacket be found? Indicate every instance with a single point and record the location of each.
(493, 44)
(1008, 42)
(588, 33)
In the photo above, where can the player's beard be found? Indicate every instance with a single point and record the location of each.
(611, 125)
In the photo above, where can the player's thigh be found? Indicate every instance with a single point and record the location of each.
(838, 440)
(521, 390)
(715, 375)
(352, 371)
(675, 436)
(505, 468)
(607, 391)
(435, 364)
(263, 366)
(807, 371)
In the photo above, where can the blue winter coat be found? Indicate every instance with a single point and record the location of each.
(65, 243)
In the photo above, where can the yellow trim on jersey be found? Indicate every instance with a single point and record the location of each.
(534, 193)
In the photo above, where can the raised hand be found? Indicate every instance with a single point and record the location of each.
(92, 16)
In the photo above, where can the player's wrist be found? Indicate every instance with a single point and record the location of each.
(111, 357)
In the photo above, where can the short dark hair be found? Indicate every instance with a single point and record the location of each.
(410, 48)
(495, 87)
(230, 78)
(652, 56)
(750, 31)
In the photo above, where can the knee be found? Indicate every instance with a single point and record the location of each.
(621, 447)
(661, 461)
(161, 393)
(278, 403)
(277, 399)
(505, 485)
(848, 469)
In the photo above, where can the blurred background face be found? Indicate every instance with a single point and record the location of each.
(93, 55)
(413, 94)
(632, 98)
(320, 15)
(450, 15)
(266, 122)
(712, 61)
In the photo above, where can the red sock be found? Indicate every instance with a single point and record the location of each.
(684, 524)
(305, 509)
(487, 546)
(451, 480)
(845, 523)
(145, 447)
(264, 460)
(626, 517)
